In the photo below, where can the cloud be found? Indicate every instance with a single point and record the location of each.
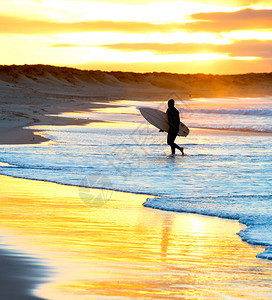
(239, 48)
(17, 25)
(176, 48)
(249, 48)
(247, 19)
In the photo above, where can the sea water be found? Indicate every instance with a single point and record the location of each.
(224, 173)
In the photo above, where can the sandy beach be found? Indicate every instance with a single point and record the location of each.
(22, 106)
(122, 250)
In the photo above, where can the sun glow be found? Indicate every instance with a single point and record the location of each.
(177, 11)
(78, 33)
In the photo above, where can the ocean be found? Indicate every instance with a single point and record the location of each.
(226, 171)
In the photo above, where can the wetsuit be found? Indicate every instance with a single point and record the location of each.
(174, 121)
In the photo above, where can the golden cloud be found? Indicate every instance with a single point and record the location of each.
(239, 48)
(17, 25)
(247, 19)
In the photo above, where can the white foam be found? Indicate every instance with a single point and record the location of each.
(247, 112)
(3, 164)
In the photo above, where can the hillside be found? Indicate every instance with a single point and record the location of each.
(63, 80)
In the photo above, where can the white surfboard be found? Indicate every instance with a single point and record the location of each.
(159, 119)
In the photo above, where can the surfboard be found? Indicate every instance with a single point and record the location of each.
(159, 119)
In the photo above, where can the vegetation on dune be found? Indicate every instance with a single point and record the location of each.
(213, 84)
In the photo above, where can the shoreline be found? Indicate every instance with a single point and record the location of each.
(17, 132)
(109, 244)
(28, 136)
(15, 124)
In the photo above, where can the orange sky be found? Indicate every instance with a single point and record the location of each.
(210, 36)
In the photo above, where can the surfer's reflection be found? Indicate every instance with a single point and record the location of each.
(166, 233)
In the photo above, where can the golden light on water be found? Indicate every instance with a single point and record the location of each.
(122, 248)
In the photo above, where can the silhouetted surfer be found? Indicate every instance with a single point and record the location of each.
(174, 122)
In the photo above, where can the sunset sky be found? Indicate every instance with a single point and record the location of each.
(223, 37)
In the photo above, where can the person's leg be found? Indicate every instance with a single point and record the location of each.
(171, 142)
(180, 149)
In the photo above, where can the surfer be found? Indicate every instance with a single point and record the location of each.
(174, 121)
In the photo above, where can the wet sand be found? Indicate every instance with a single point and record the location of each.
(20, 275)
(106, 245)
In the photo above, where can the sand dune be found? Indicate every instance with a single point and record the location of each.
(120, 84)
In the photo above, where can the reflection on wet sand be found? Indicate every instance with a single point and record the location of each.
(122, 249)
